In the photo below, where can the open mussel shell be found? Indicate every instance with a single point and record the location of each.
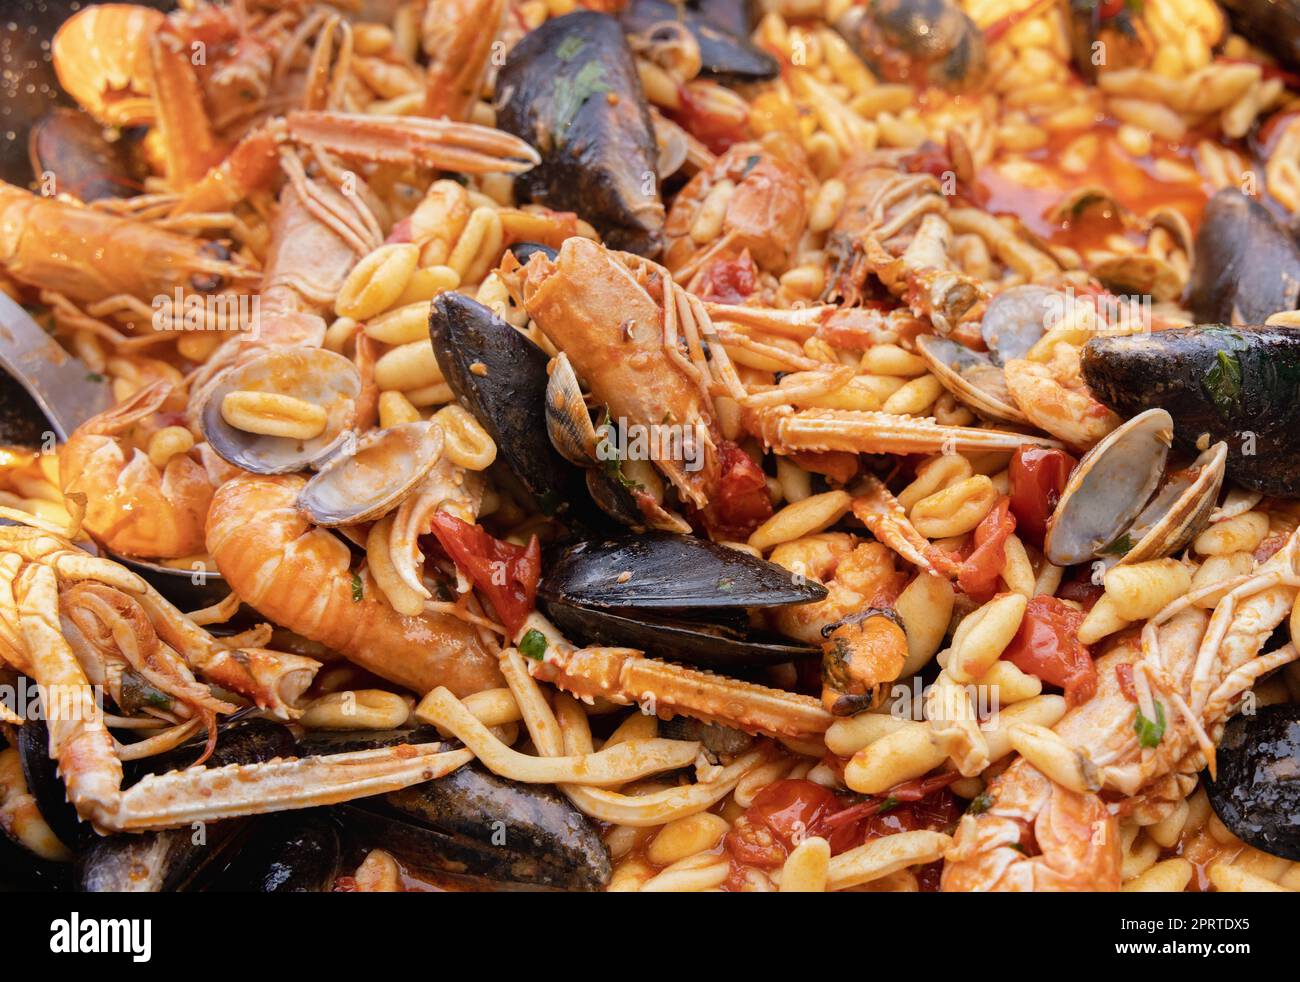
(1109, 488)
(1247, 266)
(1256, 792)
(500, 376)
(371, 478)
(723, 54)
(69, 148)
(44, 784)
(476, 824)
(312, 374)
(1180, 509)
(1232, 384)
(971, 376)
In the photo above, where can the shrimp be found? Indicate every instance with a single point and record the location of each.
(863, 644)
(1056, 399)
(300, 577)
(617, 317)
(765, 210)
(1188, 670)
(133, 506)
(91, 256)
(43, 580)
(458, 37)
(894, 225)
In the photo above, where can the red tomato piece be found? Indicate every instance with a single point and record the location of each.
(506, 573)
(1037, 478)
(729, 280)
(978, 574)
(1047, 646)
(741, 503)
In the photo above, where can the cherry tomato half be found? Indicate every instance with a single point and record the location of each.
(1037, 478)
(506, 573)
(1047, 646)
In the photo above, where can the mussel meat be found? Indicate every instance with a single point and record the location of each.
(1247, 266)
(570, 88)
(673, 596)
(1256, 792)
(1234, 384)
(724, 54)
(1121, 502)
(928, 41)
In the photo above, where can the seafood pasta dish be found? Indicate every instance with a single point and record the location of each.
(631, 445)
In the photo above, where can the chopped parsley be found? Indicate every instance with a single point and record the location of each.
(533, 644)
(94, 377)
(888, 804)
(981, 803)
(357, 591)
(726, 584)
(1223, 383)
(1150, 733)
(1120, 547)
(571, 93)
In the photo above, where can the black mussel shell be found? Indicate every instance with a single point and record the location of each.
(1247, 265)
(292, 852)
(738, 17)
(44, 784)
(507, 395)
(22, 870)
(917, 41)
(1237, 384)
(176, 859)
(570, 88)
(723, 54)
(1273, 25)
(710, 645)
(1257, 791)
(672, 596)
(1118, 33)
(475, 824)
(69, 147)
(524, 251)
(665, 571)
(326, 742)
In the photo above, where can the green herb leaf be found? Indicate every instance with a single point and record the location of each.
(569, 47)
(1223, 383)
(981, 803)
(889, 804)
(1120, 547)
(533, 644)
(357, 590)
(1150, 733)
(94, 377)
(572, 92)
(726, 584)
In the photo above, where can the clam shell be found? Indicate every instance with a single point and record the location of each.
(372, 477)
(1180, 509)
(568, 423)
(1015, 319)
(1110, 487)
(971, 376)
(313, 374)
